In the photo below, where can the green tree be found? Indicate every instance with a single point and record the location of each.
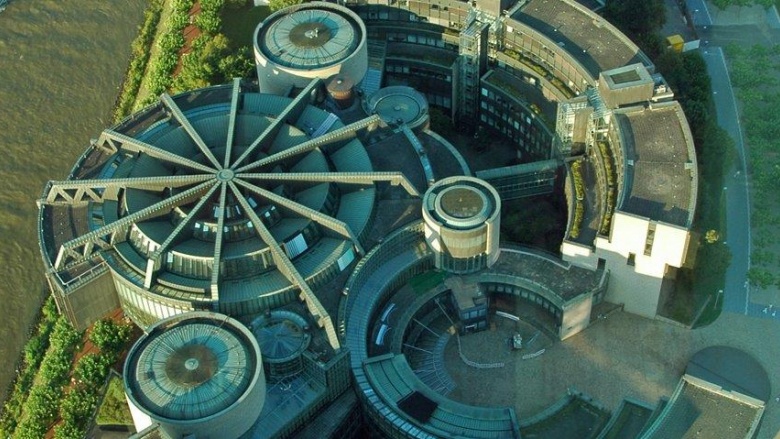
(637, 18)
(68, 430)
(109, 336)
(760, 277)
(237, 65)
(276, 5)
(209, 23)
(236, 4)
(201, 67)
(92, 369)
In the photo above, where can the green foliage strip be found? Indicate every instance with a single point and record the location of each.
(579, 190)
(43, 403)
(140, 51)
(169, 46)
(89, 375)
(608, 159)
(34, 351)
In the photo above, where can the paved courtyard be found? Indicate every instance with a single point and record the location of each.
(621, 356)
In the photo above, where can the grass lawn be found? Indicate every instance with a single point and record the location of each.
(114, 410)
(239, 24)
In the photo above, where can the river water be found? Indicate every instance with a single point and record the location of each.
(61, 64)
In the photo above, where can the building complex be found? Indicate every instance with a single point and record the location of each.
(303, 251)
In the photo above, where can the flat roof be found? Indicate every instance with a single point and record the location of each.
(393, 380)
(590, 39)
(310, 36)
(697, 411)
(731, 369)
(659, 164)
(398, 104)
(564, 280)
(627, 76)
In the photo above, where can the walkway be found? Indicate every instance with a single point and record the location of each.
(736, 298)
(737, 290)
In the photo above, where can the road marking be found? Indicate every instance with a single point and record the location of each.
(744, 165)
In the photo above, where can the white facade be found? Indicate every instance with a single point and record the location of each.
(638, 254)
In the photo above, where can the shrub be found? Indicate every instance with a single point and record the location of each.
(109, 336)
(276, 5)
(92, 370)
(43, 403)
(579, 207)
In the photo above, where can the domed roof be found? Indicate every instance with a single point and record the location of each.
(192, 367)
(281, 335)
(218, 196)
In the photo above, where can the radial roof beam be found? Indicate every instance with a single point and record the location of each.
(185, 123)
(287, 268)
(218, 243)
(291, 113)
(361, 178)
(235, 98)
(135, 145)
(86, 243)
(75, 192)
(154, 263)
(345, 132)
(326, 221)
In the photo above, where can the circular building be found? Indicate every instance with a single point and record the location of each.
(283, 337)
(312, 40)
(398, 105)
(462, 221)
(219, 199)
(200, 373)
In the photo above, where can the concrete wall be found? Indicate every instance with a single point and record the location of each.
(87, 303)
(576, 316)
(636, 266)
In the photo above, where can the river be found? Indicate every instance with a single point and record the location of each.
(61, 64)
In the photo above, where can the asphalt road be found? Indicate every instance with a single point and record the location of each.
(737, 291)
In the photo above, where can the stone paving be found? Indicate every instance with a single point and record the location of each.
(621, 356)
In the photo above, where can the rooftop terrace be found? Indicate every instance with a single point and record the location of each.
(562, 279)
(590, 39)
(660, 164)
(699, 411)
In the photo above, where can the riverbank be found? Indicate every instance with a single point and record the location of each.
(61, 64)
(141, 64)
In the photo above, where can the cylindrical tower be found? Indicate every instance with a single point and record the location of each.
(462, 221)
(283, 337)
(398, 105)
(311, 40)
(198, 373)
(341, 90)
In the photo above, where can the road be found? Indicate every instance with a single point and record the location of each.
(737, 291)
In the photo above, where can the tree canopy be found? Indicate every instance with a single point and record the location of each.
(637, 18)
(276, 5)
